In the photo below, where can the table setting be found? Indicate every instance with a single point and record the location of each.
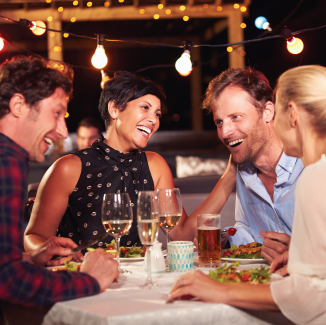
(141, 293)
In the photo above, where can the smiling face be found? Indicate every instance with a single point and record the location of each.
(44, 124)
(239, 125)
(131, 128)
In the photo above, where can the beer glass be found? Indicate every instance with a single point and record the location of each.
(209, 239)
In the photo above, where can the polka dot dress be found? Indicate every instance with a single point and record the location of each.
(104, 170)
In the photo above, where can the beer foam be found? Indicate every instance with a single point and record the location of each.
(203, 227)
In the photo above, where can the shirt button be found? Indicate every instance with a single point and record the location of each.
(290, 169)
(278, 168)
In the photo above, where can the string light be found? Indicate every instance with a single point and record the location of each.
(73, 19)
(99, 59)
(229, 49)
(219, 8)
(293, 44)
(141, 11)
(236, 6)
(185, 18)
(156, 16)
(160, 6)
(168, 11)
(89, 4)
(75, 3)
(106, 4)
(184, 64)
(243, 9)
(38, 27)
(243, 25)
(65, 35)
(2, 43)
(262, 23)
(49, 18)
(182, 8)
(60, 9)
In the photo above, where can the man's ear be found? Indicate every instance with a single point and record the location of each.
(17, 105)
(269, 111)
(293, 113)
(113, 110)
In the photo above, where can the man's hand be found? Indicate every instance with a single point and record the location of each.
(279, 265)
(55, 246)
(101, 266)
(274, 244)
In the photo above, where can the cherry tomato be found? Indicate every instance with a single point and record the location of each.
(232, 231)
(245, 277)
(110, 248)
(227, 253)
(262, 277)
(125, 251)
(259, 254)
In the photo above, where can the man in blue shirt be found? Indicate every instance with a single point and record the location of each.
(242, 103)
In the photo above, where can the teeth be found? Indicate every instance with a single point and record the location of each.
(232, 143)
(144, 129)
(48, 141)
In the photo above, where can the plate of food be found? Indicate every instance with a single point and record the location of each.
(228, 273)
(244, 254)
(127, 254)
(68, 266)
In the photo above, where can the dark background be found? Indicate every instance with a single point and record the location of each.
(269, 56)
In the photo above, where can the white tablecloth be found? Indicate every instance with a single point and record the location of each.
(124, 303)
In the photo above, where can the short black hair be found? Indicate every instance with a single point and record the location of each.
(90, 122)
(125, 87)
(34, 78)
(252, 81)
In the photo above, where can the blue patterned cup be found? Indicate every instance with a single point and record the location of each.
(181, 256)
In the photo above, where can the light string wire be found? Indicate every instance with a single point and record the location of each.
(259, 39)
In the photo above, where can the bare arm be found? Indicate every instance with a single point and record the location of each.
(163, 178)
(248, 296)
(51, 201)
(213, 204)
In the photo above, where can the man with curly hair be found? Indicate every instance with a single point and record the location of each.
(33, 105)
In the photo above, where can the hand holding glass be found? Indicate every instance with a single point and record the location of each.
(117, 217)
(148, 226)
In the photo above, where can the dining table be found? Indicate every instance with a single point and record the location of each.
(124, 303)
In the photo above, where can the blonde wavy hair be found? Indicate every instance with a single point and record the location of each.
(305, 86)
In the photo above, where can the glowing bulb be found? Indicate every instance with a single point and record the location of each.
(236, 6)
(141, 11)
(243, 25)
(73, 19)
(49, 18)
(167, 11)
(65, 35)
(99, 59)
(160, 6)
(182, 8)
(38, 28)
(2, 43)
(183, 64)
(75, 3)
(156, 16)
(219, 8)
(229, 49)
(260, 21)
(185, 18)
(295, 46)
(243, 9)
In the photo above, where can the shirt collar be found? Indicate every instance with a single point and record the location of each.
(286, 162)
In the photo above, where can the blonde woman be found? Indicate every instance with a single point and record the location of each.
(300, 123)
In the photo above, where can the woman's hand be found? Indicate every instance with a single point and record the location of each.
(279, 265)
(55, 246)
(197, 284)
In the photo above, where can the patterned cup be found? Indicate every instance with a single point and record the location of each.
(181, 256)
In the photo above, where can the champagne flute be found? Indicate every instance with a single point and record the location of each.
(117, 218)
(148, 226)
(170, 209)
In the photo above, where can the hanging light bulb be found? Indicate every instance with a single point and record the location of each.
(184, 64)
(105, 78)
(99, 59)
(260, 21)
(295, 46)
(38, 27)
(2, 43)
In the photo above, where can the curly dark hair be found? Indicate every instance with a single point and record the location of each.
(252, 81)
(34, 78)
(125, 87)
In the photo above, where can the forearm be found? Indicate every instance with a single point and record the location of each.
(250, 296)
(33, 241)
(218, 197)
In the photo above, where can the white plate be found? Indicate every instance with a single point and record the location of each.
(137, 259)
(243, 260)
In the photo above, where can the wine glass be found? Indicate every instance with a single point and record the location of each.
(170, 209)
(117, 218)
(148, 226)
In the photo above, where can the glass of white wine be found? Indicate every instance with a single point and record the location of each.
(170, 209)
(117, 218)
(148, 226)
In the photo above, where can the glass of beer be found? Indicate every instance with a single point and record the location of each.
(209, 239)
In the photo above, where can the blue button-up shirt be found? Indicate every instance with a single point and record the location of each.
(254, 208)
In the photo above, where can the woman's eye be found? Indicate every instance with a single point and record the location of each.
(159, 115)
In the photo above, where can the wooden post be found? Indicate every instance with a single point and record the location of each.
(235, 34)
(196, 91)
(55, 53)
